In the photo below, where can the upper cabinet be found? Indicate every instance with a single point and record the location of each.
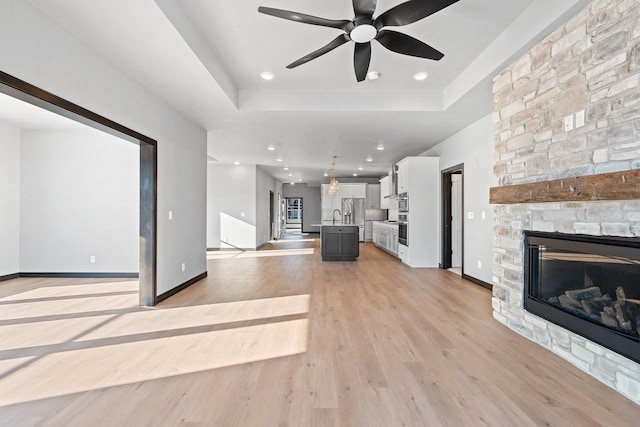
(403, 176)
(352, 191)
(385, 192)
(373, 196)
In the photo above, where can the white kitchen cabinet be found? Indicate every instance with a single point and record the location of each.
(403, 176)
(385, 192)
(373, 196)
(419, 177)
(385, 236)
(352, 191)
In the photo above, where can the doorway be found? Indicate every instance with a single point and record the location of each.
(31, 94)
(453, 219)
(293, 215)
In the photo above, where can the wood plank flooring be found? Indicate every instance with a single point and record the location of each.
(279, 338)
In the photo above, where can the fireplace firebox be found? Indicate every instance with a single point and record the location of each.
(587, 284)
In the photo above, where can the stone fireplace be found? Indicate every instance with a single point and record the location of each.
(589, 67)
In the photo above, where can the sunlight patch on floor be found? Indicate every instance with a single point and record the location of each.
(258, 254)
(75, 371)
(147, 321)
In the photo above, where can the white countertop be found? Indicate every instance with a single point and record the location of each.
(386, 223)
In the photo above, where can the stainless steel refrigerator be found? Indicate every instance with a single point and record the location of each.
(353, 214)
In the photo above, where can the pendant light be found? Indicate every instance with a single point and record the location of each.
(334, 185)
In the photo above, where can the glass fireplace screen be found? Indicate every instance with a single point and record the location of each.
(597, 282)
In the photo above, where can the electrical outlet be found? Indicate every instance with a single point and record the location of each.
(93, 259)
(568, 123)
(242, 214)
(479, 265)
(184, 266)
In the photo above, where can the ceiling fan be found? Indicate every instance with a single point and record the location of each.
(363, 28)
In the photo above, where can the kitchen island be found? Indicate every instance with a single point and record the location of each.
(339, 242)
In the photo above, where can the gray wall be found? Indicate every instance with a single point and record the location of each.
(27, 39)
(9, 199)
(311, 205)
(79, 197)
(473, 146)
(231, 192)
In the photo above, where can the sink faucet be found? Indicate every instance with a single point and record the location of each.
(333, 216)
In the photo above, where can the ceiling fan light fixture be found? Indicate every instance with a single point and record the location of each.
(421, 76)
(373, 75)
(266, 75)
(363, 33)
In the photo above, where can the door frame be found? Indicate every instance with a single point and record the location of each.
(301, 212)
(34, 95)
(445, 214)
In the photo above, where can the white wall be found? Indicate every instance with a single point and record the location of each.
(473, 146)
(36, 49)
(231, 191)
(9, 199)
(311, 204)
(264, 184)
(79, 197)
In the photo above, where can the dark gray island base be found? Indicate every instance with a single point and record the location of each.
(339, 242)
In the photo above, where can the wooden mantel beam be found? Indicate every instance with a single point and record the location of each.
(606, 186)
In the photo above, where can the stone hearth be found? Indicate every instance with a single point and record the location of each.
(591, 63)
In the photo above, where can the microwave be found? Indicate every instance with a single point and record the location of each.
(403, 202)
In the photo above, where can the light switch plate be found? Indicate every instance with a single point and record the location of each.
(170, 215)
(568, 123)
(470, 215)
(484, 215)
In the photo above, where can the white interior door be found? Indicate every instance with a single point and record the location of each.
(456, 220)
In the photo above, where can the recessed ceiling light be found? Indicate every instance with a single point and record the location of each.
(373, 75)
(326, 174)
(360, 168)
(236, 163)
(369, 159)
(355, 174)
(300, 179)
(380, 147)
(279, 159)
(421, 76)
(293, 183)
(290, 174)
(271, 148)
(266, 75)
(285, 168)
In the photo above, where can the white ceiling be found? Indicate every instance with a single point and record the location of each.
(204, 57)
(25, 116)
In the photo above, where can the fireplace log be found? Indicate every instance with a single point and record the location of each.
(622, 316)
(582, 294)
(608, 319)
(569, 303)
(596, 305)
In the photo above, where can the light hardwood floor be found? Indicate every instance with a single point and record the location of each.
(279, 338)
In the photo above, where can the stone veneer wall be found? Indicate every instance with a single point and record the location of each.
(591, 63)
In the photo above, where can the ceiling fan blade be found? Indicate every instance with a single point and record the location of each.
(407, 45)
(340, 40)
(305, 19)
(411, 11)
(361, 60)
(364, 8)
